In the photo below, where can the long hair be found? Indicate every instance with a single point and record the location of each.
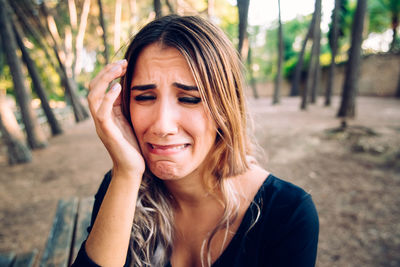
(217, 71)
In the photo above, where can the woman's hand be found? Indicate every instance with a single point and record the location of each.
(112, 127)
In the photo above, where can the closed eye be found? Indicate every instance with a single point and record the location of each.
(190, 100)
(144, 97)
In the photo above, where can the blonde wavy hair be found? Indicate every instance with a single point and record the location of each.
(217, 70)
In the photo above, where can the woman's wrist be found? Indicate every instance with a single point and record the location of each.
(126, 173)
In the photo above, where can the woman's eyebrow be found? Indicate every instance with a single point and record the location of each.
(143, 87)
(186, 87)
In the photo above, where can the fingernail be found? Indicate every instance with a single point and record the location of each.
(122, 61)
(115, 87)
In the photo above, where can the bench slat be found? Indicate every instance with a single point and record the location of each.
(83, 222)
(25, 260)
(6, 259)
(58, 245)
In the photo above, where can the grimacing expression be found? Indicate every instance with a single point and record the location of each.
(173, 128)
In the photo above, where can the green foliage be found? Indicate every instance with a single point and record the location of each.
(228, 19)
(293, 35)
(6, 79)
(344, 14)
(381, 13)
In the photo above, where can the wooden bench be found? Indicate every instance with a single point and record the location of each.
(65, 238)
(20, 260)
(68, 232)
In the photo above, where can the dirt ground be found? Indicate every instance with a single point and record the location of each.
(354, 177)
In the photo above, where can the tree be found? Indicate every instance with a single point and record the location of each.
(157, 8)
(133, 13)
(333, 43)
(37, 84)
(394, 8)
(80, 36)
(80, 111)
(294, 90)
(314, 66)
(35, 136)
(252, 80)
(278, 79)
(243, 46)
(104, 28)
(117, 24)
(347, 106)
(11, 134)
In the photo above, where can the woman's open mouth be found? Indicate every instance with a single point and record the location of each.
(166, 149)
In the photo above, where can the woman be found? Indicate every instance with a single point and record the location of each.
(184, 190)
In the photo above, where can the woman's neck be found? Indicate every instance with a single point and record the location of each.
(193, 191)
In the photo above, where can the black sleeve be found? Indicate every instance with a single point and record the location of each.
(298, 247)
(82, 259)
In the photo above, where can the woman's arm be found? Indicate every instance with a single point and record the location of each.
(108, 241)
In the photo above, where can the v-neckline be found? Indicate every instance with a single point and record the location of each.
(243, 227)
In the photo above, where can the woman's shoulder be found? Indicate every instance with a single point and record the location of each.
(280, 190)
(258, 184)
(284, 205)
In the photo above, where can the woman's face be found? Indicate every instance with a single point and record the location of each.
(174, 130)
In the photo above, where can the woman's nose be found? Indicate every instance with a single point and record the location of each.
(165, 119)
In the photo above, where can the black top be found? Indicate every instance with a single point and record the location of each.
(286, 233)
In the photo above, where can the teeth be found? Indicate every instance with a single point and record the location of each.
(168, 147)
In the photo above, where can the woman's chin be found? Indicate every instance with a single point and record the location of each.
(166, 170)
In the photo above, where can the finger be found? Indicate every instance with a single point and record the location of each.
(118, 101)
(108, 73)
(99, 85)
(105, 109)
(115, 70)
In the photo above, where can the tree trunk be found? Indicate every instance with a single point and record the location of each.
(395, 24)
(117, 25)
(12, 135)
(157, 8)
(132, 16)
(37, 85)
(294, 90)
(252, 80)
(104, 28)
(69, 34)
(243, 46)
(35, 136)
(80, 36)
(170, 7)
(317, 74)
(347, 106)
(72, 14)
(278, 79)
(313, 68)
(333, 45)
(313, 74)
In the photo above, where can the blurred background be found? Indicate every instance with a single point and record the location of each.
(323, 89)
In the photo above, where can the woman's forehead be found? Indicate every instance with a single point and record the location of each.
(156, 62)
